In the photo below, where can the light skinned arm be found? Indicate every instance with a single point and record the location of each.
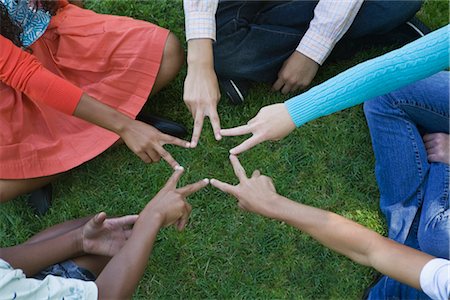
(201, 88)
(120, 277)
(144, 140)
(99, 236)
(258, 195)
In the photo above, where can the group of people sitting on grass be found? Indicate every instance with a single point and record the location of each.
(73, 84)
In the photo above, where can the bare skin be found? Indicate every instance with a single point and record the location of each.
(116, 249)
(257, 194)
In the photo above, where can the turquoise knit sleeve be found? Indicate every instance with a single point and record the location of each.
(415, 61)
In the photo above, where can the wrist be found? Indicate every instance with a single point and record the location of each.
(78, 240)
(200, 53)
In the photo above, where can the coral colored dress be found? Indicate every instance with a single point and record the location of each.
(113, 59)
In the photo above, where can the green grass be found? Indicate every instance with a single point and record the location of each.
(225, 252)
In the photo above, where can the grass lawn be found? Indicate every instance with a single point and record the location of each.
(225, 252)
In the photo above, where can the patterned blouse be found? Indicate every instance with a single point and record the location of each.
(33, 21)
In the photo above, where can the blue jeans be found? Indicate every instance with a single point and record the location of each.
(254, 38)
(414, 193)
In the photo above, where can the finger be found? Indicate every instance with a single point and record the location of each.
(176, 141)
(167, 157)
(100, 218)
(223, 186)
(429, 137)
(173, 180)
(215, 123)
(185, 218)
(127, 220)
(192, 188)
(245, 145)
(278, 84)
(198, 125)
(256, 173)
(236, 131)
(239, 170)
(145, 158)
(154, 156)
(286, 88)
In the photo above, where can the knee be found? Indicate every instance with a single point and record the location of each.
(433, 237)
(173, 55)
(4, 196)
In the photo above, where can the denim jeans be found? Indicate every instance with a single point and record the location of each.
(254, 38)
(414, 193)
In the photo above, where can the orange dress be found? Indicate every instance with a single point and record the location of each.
(113, 59)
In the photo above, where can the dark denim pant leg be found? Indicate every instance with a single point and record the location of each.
(409, 185)
(254, 38)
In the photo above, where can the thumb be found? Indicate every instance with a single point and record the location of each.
(99, 218)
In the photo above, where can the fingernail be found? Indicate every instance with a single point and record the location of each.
(206, 180)
(188, 145)
(212, 181)
(193, 144)
(232, 151)
(218, 137)
(179, 168)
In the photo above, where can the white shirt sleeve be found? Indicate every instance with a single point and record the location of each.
(332, 19)
(15, 285)
(435, 279)
(200, 19)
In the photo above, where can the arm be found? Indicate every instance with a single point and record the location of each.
(257, 194)
(331, 21)
(201, 99)
(98, 235)
(417, 60)
(24, 73)
(120, 277)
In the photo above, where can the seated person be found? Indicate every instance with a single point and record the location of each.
(415, 268)
(93, 257)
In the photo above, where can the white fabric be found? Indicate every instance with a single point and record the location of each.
(15, 285)
(435, 279)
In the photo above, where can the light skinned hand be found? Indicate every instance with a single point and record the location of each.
(102, 236)
(255, 194)
(201, 95)
(296, 73)
(272, 123)
(201, 88)
(170, 205)
(437, 145)
(147, 142)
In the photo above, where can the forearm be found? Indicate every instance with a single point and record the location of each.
(200, 52)
(34, 257)
(58, 230)
(122, 274)
(358, 243)
(415, 61)
(95, 112)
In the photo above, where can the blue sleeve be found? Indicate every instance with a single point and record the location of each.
(415, 61)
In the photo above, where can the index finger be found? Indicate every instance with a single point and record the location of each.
(240, 130)
(173, 180)
(192, 188)
(238, 168)
(198, 125)
(167, 157)
(215, 123)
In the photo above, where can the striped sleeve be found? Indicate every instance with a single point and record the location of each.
(331, 21)
(200, 18)
(414, 61)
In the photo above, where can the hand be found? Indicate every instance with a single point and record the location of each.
(169, 205)
(296, 73)
(102, 236)
(201, 88)
(256, 194)
(272, 123)
(147, 142)
(437, 145)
